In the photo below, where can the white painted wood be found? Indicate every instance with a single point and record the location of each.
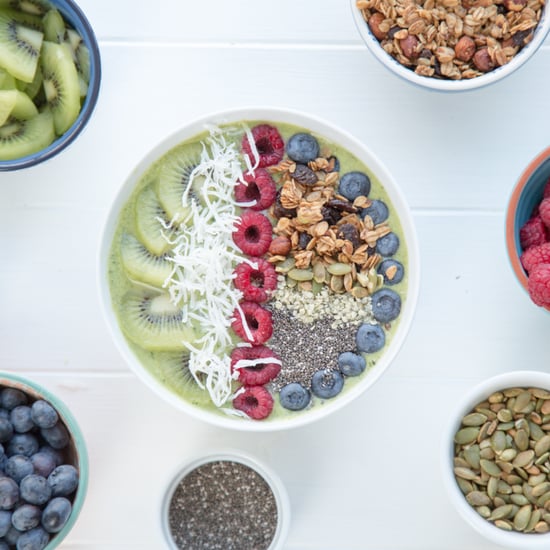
(456, 158)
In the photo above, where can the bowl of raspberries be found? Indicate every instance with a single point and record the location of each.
(528, 229)
(43, 466)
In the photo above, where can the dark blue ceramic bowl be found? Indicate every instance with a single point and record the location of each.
(72, 13)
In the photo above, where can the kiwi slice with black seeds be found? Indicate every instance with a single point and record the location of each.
(153, 322)
(174, 179)
(20, 48)
(34, 7)
(151, 222)
(61, 86)
(16, 104)
(141, 264)
(19, 138)
(54, 26)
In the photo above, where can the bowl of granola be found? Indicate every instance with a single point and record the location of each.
(259, 268)
(449, 45)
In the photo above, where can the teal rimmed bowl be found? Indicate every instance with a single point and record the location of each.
(76, 454)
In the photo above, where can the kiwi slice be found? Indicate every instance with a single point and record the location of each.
(61, 87)
(175, 177)
(19, 48)
(148, 227)
(34, 7)
(81, 54)
(33, 88)
(16, 104)
(140, 264)
(153, 322)
(54, 26)
(19, 138)
(173, 371)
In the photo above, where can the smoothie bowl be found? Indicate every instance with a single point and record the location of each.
(259, 269)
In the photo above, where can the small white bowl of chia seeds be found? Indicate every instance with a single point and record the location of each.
(225, 500)
(496, 459)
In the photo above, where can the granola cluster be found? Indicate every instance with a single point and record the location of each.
(321, 237)
(452, 39)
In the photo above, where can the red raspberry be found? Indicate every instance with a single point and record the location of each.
(254, 401)
(259, 187)
(532, 233)
(257, 319)
(260, 373)
(256, 282)
(546, 191)
(544, 211)
(269, 143)
(535, 255)
(538, 285)
(252, 233)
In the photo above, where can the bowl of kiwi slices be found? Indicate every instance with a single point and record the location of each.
(50, 73)
(259, 269)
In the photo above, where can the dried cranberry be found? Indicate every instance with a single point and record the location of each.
(304, 175)
(349, 232)
(303, 240)
(279, 211)
(330, 215)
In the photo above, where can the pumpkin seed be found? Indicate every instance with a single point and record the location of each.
(521, 519)
(524, 458)
(465, 473)
(498, 441)
(522, 401)
(508, 455)
(503, 524)
(542, 527)
(501, 512)
(484, 511)
(505, 415)
(541, 488)
(490, 467)
(300, 274)
(492, 486)
(478, 498)
(467, 435)
(542, 445)
(520, 500)
(521, 439)
(472, 456)
(535, 518)
(339, 268)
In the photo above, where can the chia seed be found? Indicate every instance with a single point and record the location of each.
(223, 505)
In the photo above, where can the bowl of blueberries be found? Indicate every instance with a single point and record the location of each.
(43, 466)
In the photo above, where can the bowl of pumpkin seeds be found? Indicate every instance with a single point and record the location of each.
(496, 459)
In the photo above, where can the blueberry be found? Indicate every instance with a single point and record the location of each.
(11, 398)
(353, 185)
(4, 545)
(6, 429)
(63, 480)
(370, 338)
(378, 211)
(56, 455)
(351, 364)
(386, 305)
(35, 539)
(22, 444)
(9, 493)
(18, 466)
(26, 517)
(57, 436)
(394, 268)
(302, 147)
(43, 414)
(294, 397)
(21, 419)
(5, 522)
(387, 245)
(43, 463)
(4, 413)
(12, 536)
(327, 383)
(35, 489)
(55, 514)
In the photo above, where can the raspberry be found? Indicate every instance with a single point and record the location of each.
(257, 319)
(544, 211)
(255, 401)
(252, 233)
(260, 373)
(259, 187)
(535, 255)
(532, 233)
(255, 282)
(269, 143)
(538, 285)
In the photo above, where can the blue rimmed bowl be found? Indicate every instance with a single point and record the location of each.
(75, 17)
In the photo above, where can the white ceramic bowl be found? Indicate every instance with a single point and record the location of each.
(477, 394)
(332, 133)
(449, 85)
(272, 479)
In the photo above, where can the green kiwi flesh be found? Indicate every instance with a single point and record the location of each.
(54, 26)
(16, 104)
(149, 229)
(61, 85)
(19, 48)
(153, 322)
(142, 265)
(173, 180)
(19, 138)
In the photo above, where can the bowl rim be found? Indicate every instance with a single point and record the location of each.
(231, 455)
(442, 85)
(72, 12)
(511, 231)
(472, 396)
(331, 132)
(27, 385)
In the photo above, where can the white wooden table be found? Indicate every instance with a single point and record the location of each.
(456, 158)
